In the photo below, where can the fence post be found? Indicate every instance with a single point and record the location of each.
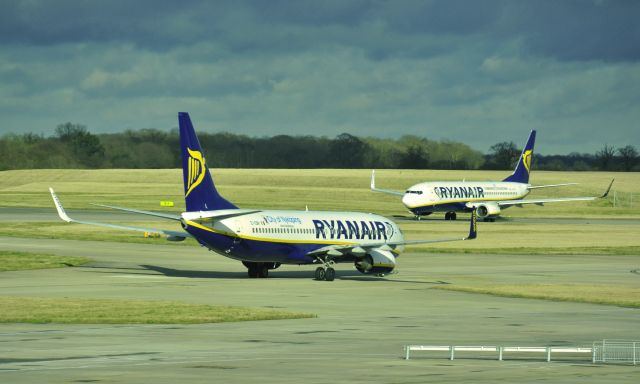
(500, 353)
(548, 354)
(634, 353)
(407, 349)
(451, 352)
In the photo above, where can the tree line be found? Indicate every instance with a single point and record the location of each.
(74, 146)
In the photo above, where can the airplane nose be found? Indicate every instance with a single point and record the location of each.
(406, 199)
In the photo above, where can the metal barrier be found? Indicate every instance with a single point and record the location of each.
(616, 351)
(500, 350)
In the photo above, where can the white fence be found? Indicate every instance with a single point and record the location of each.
(616, 351)
(500, 351)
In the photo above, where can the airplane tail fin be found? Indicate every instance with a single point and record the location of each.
(523, 168)
(200, 193)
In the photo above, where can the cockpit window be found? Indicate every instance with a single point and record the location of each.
(414, 192)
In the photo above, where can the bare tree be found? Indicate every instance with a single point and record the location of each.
(605, 157)
(628, 157)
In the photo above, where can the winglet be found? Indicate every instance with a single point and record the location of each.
(473, 233)
(608, 189)
(63, 215)
(373, 179)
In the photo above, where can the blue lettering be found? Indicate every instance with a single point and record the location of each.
(372, 233)
(354, 231)
(381, 230)
(342, 231)
(365, 230)
(319, 229)
(480, 192)
(331, 227)
(449, 192)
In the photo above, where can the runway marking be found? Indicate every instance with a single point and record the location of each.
(143, 277)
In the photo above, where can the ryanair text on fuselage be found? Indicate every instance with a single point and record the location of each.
(458, 192)
(352, 229)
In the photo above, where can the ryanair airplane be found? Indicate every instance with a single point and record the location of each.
(486, 199)
(264, 239)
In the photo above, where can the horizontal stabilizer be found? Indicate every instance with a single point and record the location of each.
(218, 214)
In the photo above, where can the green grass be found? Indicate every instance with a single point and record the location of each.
(622, 296)
(62, 230)
(102, 311)
(17, 261)
(294, 189)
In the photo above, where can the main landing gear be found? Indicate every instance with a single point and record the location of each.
(326, 272)
(450, 216)
(259, 270)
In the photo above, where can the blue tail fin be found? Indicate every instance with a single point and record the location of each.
(199, 192)
(523, 168)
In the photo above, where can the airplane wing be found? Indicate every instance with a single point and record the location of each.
(172, 235)
(549, 185)
(157, 214)
(387, 191)
(507, 203)
(361, 250)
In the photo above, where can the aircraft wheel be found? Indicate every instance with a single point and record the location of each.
(447, 216)
(253, 272)
(320, 273)
(452, 216)
(330, 274)
(263, 271)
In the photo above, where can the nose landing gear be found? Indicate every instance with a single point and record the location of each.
(326, 272)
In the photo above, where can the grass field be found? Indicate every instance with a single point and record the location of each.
(103, 311)
(18, 261)
(623, 296)
(294, 189)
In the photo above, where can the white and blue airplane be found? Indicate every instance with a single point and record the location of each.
(486, 198)
(264, 239)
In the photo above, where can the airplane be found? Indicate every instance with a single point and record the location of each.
(265, 239)
(486, 198)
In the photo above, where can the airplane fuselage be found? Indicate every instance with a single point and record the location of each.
(445, 196)
(287, 236)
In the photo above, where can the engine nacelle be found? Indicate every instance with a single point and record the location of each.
(376, 262)
(487, 209)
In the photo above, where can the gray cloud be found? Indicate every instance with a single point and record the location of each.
(478, 72)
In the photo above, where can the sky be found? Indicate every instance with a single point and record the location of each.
(477, 72)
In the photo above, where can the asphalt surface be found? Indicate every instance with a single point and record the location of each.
(358, 337)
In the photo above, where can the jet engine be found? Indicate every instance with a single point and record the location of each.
(487, 209)
(377, 262)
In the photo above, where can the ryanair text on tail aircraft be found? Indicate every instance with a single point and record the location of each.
(264, 239)
(487, 199)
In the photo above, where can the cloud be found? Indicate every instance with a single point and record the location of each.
(478, 72)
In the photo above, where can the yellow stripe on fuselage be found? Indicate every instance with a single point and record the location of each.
(465, 201)
(268, 240)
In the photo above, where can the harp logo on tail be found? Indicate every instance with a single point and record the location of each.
(196, 169)
(526, 159)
